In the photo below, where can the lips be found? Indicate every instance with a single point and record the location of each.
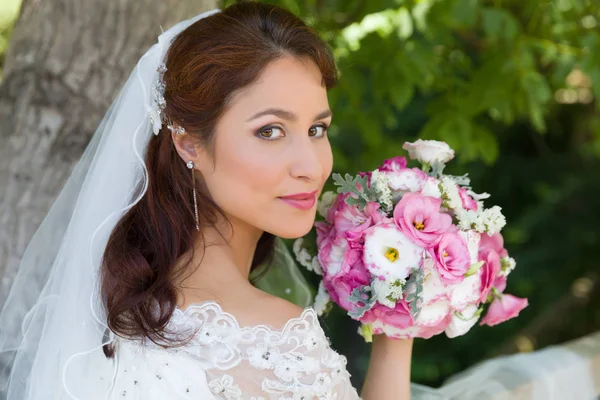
(302, 201)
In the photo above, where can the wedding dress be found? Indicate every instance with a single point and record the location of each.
(224, 360)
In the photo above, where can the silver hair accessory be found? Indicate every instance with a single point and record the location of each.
(157, 115)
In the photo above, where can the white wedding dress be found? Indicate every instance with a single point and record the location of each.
(226, 361)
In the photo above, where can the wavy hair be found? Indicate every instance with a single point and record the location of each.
(207, 64)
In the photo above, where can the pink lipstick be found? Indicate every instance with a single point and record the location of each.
(302, 201)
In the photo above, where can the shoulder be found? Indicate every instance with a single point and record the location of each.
(248, 308)
(265, 309)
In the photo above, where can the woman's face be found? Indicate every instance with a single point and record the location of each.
(271, 151)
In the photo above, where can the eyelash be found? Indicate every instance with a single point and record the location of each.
(272, 127)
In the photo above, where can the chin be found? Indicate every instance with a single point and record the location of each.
(295, 228)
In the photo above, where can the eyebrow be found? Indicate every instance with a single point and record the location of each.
(284, 114)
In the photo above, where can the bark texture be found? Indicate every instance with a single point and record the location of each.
(66, 63)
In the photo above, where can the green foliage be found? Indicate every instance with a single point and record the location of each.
(415, 282)
(360, 192)
(364, 300)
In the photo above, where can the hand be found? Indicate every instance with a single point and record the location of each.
(388, 377)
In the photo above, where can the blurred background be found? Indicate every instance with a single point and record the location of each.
(512, 86)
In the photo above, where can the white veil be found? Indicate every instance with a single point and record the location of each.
(52, 326)
(553, 373)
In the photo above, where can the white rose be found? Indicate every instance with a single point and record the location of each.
(466, 292)
(431, 188)
(433, 287)
(462, 322)
(433, 313)
(472, 239)
(429, 151)
(389, 253)
(336, 257)
(408, 179)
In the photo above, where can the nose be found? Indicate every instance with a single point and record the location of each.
(305, 161)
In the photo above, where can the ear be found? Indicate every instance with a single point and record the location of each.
(186, 147)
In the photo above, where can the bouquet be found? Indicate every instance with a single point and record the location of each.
(411, 252)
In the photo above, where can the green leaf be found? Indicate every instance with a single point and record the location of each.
(499, 24)
(415, 283)
(487, 144)
(474, 268)
(404, 23)
(465, 12)
(357, 187)
(367, 332)
(348, 184)
(362, 295)
(401, 93)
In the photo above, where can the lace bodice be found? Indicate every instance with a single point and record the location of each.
(226, 361)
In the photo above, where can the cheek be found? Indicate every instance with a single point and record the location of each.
(244, 174)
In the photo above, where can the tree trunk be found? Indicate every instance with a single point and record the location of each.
(66, 62)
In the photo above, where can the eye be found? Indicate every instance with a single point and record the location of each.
(317, 131)
(270, 133)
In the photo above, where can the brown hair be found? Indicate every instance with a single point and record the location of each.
(206, 64)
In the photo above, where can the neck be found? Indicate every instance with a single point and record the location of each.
(222, 260)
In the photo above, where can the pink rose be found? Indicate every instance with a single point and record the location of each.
(420, 218)
(412, 330)
(338, 204)
(503, 308)
(338, 256)
(325, 236)
(452, 259)
(351, 222)
(490, 269)
(468, 202)
(340, 287)
(332, 256)
(325, 233)
(427, 332)
(500, 283)
(334, 252)
(393, 164)
(398, 316)
(494, 243)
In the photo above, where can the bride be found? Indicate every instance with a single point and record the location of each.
(141, 281)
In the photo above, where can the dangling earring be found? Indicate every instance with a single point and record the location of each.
(190, 165)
